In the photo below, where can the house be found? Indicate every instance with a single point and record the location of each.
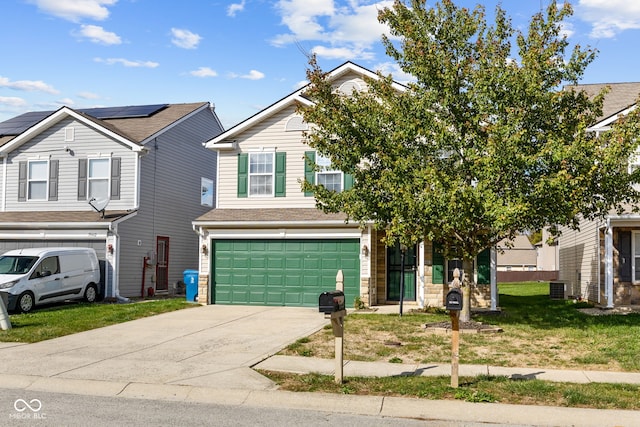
(126, 181)
(517, 255)
(265, 243)
(600, 262)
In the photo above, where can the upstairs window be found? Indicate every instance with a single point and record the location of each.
(327, 176)
(98, 177)
(262, 174)
(261, 169)
(38, 180)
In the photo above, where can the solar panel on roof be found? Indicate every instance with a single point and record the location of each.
(124, 112)
(21, 123)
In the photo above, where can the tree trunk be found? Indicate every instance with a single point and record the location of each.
(467, 286)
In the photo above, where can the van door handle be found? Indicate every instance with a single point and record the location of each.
(57, 278)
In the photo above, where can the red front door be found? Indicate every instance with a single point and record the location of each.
(162, 266)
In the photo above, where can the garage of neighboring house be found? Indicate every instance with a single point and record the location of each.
(282, 272)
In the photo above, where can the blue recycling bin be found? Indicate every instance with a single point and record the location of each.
(190, 278)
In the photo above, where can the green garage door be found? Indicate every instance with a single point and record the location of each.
(283, 272)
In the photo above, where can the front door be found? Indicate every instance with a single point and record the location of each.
(395, 272)
(162, 266)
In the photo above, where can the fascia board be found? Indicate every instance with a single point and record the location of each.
(605, 124)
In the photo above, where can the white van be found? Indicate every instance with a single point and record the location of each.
(43, 275)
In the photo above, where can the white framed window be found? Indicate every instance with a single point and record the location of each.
(261, 173)
(327, 176)
(206, 192)
(38, 180)
(98, 178)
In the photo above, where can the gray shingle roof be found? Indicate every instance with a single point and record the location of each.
(620, 96)
(270, 215)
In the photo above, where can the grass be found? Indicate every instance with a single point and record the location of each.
(59, 320)
(537, 332)
(482, 388)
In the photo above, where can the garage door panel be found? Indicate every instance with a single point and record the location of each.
(282, 272)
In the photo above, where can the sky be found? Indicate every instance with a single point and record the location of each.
(240, 55)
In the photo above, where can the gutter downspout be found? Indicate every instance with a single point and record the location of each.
(608, 263)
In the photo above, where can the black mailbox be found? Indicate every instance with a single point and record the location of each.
(454, 299)
(331, 302)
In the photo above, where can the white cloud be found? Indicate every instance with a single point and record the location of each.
(76, 10)
(127, 62)
(609, 17)
(394, 69)
(88, 95)
(66, 101)
(347, 31)
(346, 53)
(185, 38)
(97, 34)
(27, 85)
(204, 72)
(12, 101)
(235, 8)
(251, 75)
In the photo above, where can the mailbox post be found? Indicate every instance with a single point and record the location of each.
(454, 303)
(331, 303)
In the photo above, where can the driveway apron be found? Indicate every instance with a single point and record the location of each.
(208, 346)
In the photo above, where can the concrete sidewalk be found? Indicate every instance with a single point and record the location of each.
(206, 354)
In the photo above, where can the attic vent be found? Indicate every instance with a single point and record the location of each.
(349, 87)
(69, 134)
(296, 123)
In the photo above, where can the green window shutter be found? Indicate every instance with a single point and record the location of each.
(437, 272)
(483, 260)
(82, 179)
(22, 181)
(348, 181)
(243, 174)
(309, 169)
(53, 179)
(281, 176)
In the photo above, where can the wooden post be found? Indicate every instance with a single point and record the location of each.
(455, 345)
(337, 323)
(455, 333)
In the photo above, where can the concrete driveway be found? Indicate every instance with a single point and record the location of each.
(206, 346)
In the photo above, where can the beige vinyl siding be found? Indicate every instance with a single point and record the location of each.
(50, 145)
(268, 135)
(579, 258)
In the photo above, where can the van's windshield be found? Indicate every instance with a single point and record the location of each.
(16, 264)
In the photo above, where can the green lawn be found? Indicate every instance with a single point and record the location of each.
(536, 332)
(65, 319)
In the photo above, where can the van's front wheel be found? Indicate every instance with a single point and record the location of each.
(91, 293)
(25, 302)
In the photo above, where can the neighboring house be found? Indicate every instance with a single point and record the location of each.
(517, 254)
(600, 262)
(265, 243)
(126, 181)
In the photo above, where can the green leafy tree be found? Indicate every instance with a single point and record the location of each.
(483, 144)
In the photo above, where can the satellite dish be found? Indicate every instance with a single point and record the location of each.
(99, 205)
